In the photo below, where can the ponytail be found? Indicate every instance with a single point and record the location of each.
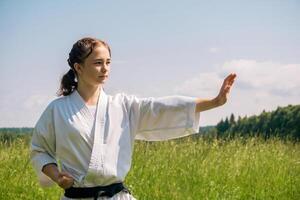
(68, 83)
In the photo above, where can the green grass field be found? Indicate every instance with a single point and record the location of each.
(185, 169)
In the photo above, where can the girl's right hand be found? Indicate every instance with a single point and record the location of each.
(65, 180)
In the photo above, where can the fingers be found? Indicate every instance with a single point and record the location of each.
(228, 82)
(230, 79)
(65, 180)
(225, 89)
(62, 174)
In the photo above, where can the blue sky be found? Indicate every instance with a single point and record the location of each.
(158, 48)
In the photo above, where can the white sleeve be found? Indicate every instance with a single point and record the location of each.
(164, 118)
(42, 149)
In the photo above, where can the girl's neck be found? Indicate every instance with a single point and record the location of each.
(89, 93)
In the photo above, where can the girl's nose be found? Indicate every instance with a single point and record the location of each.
(104, 68)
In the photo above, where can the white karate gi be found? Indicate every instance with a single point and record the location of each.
(99, 152)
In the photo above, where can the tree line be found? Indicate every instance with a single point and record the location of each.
(8, 135)
(284, 122)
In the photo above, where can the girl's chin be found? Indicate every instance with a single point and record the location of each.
(101, 81)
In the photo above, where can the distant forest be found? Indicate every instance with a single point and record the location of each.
(284, 122)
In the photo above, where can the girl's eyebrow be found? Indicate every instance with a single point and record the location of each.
(100, 59)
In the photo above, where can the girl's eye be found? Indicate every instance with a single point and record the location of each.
(101, 63)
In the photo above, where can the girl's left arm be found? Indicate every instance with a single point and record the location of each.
(207, 104)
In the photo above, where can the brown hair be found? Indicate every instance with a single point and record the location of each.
(79, 52)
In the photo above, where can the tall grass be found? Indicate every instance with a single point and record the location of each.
(183, 169)
(18, 180)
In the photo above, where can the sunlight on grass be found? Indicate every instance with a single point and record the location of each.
(180, 169)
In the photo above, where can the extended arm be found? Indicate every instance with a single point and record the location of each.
(207, 104)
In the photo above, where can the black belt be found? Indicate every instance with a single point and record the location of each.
(98, 191)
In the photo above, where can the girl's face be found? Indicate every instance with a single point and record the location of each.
(95, 69)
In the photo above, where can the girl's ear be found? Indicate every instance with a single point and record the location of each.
(78, 68)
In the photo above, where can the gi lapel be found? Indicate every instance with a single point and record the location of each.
(96, 161)
(80, 104)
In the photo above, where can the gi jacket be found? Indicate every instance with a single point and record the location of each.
(98, 151)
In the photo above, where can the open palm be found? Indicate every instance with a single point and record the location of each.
(225, 89)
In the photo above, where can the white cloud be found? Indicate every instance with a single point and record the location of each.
(36, 100)
(214, 50)
(22, 111)
(277, 79)
(204, 84)
(258, 86)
